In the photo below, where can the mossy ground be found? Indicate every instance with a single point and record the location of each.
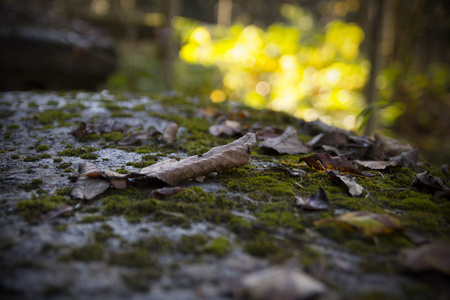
(256, 207)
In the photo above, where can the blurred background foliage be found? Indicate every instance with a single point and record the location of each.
(379, 65)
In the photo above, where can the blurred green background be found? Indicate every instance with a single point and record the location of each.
(368, 66)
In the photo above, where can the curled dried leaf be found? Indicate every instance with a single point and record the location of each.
(287, 143)
(220, 158)
(353, 188)
(169, 133)
(321, 161)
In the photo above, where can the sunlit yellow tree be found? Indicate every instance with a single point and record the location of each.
(310, 72)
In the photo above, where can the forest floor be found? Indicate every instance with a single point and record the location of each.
(237, 233)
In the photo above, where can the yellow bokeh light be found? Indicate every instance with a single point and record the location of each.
(288, 62)
(263, 88)
(333, 76)
(349, 122)
(217, 96)
(200, 36)
(101, 7)
(154, 19)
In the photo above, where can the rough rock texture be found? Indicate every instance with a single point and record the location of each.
(201, 242)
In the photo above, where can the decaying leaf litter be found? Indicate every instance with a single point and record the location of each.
(283, 210)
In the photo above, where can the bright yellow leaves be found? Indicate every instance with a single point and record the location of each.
(294, 67)
(365, 222)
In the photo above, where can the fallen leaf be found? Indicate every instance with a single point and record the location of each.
(321, 161)
(169, 133)
(84, 129)
(366, 222)
(220, 158)
(317, 201)
(434, 256)
(353, 188)
(375, 165)
(134, 137)
(265, 133)
(166, 191)
(392, 146)
(407, 159)
(287, 143)
(333, 138)
(226, 127)
(431, 184)
(279, 283)
(89, 187)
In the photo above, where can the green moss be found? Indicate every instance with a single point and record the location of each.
(156, 244)
(89, 156)
(120, 114)
(137, 258)
(309, 256)
(31, 209)
(57, 160)
(64, 165)
(123, 171)
(93, 219)
(42, 148)
(192, 243)
(139, 107)
(381, 267)
(104, 234)
(139, 280)
(36, 158)
(71, 151)
(90, 252)
(60, 228)
(12, 127)
(114, 136)
(91, 209)
(133, 210)
(15, 156)
(50, 116)
(418, 204)
(33, 185)
(219, 246)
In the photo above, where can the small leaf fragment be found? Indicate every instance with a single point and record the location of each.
(375, 165)
(322, 161)
(431, 184)
(366, 222)
(333, 138)
(166, 191)
(353, 188)
(89, 187)
(407, 159)
(279, 283)
(169, 133)
(287, 143)
(317, 201)
(434, 256)
(134, 137)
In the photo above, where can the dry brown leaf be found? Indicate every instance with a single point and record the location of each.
(321, 161)
(431, 184)
(333, 138)
(434, 256)
(353, 188)
(134, 137)
(89, 187)
(375, 165)
(169, 133)
(287, 143)
(166, 191)
(220, 158)
(407, 159)
(392, 146)
(278, 283)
